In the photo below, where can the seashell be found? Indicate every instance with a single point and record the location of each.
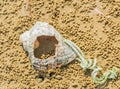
(43, 38)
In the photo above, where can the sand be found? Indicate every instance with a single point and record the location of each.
(93, 25)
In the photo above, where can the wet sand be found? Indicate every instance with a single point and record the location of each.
(93, 25)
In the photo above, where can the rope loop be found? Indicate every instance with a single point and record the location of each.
(89, 64)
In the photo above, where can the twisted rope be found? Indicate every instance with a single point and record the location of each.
(110, 74)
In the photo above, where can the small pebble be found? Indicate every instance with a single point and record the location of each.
(58, 77)
(40, 80)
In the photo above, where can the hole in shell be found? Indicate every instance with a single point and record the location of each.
(44, 46)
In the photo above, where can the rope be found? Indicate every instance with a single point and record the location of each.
(110, 74)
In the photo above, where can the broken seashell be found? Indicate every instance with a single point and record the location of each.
(43, 39)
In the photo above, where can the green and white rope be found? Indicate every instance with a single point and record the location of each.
(83, 63)
(110, 74)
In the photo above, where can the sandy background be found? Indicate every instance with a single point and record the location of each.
(92, 24)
